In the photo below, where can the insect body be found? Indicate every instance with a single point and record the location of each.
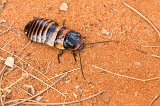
(48, 32)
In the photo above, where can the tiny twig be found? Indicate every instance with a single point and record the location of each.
(151, 46)
(145, 52)
(41, 92)
(8, 42)
(145, 18)
(66, 103)
(14, 83)
(18, 100)
(1, 77)
(64, 73)
(14, 29)
(20, 88)
(153, 55)
(9, 28)
(140, 50)
(49, 65)
(154, 99)
(39, 80)
(2, 104)
(138, 79)
(24, 48)
(2, 70)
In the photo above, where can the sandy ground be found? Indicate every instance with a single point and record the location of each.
(130, 57)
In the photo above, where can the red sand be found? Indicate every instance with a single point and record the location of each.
(88, 17)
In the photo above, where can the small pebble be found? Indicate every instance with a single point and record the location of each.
(136, 93)
(39, 98)
(65, 92)
(64, 7)
(105, 31)
(75, 95)
(79, 88)
(68, 81)
(137, 63)
(9, 62)
(3, 2)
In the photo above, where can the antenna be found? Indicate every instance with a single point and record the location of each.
(81, 64)
(102, 42)
(79, 50)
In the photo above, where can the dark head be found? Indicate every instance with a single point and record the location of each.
(73, 41)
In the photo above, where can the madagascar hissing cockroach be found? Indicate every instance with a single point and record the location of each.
(47, 31)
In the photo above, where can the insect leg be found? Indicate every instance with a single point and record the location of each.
(59, 55)
(64, 22)
(74, 55)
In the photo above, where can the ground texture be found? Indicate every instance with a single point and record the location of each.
(132, 56)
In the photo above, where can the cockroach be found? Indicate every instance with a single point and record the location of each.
(48, 32)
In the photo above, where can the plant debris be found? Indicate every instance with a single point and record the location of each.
(105, 32)
(68, 81)
(75, 95)
(64, 7)
(8, 29)
(7, 94)
(9, 62)
(8, 90)
(79, 88)
(106, 97)
(30, 89)
(39, 98)
(2, 21)
(2, 5)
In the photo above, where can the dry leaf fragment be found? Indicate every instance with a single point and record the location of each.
(2, 21)
(29, 88)
(106, 97)
(105, 32)
(65, 92)
(9, 62)
(79, 88)
(7, 94)
(39, 98)
(64, 7)
(24, 74)
(68, 81)
(3, 4)
(8, 90)
(75, 95)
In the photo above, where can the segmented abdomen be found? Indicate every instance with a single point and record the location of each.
(46, 31)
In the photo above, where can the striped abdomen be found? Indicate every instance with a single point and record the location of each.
(47, 31)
